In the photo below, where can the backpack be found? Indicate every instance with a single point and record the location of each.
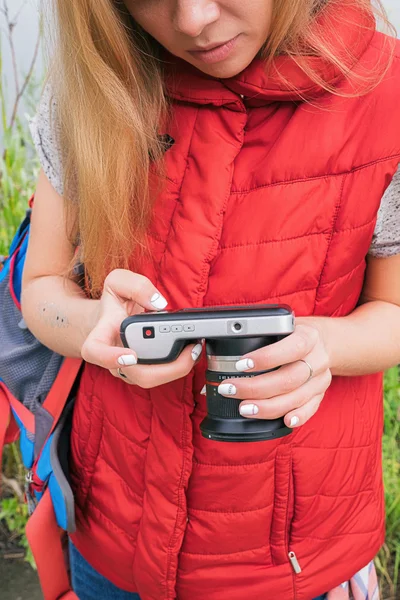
(37, 388)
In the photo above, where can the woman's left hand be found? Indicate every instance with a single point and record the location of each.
(288, 391)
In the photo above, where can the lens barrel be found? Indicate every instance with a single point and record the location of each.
(224, 423)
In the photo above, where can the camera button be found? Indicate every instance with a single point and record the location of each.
(188, 328)
(176, 328)
(165, 329)
(148, 333)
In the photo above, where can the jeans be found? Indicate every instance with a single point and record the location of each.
(90, 585)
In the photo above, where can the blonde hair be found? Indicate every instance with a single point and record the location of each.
(110, 97)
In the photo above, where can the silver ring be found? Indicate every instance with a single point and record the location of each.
(311, 370)
(121, 374)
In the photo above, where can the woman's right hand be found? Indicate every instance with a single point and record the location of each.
(126, 293)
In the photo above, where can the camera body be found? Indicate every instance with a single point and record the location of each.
(230, 332)
(159, 337)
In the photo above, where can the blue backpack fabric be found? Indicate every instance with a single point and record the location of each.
(38, 384)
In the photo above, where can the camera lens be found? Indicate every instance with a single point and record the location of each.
(237, 327)
(224, 423)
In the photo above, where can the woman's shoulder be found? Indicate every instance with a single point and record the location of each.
(386, 238)
(45, 131)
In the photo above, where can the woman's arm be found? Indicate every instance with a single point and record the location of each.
(367, 340)
(54, 307)
(58, 313)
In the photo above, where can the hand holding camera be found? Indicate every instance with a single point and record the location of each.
(126, 293)
(265, 375)
(296, 389)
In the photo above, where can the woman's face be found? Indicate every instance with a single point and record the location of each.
(219, 37)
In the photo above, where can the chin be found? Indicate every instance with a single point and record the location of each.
(225, 69)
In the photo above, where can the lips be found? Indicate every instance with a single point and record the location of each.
(211, 47)
(215, 53)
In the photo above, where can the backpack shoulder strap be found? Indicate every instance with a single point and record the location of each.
(46, 541)
(58, 394)
(8, 428)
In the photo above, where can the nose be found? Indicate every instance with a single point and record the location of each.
(192, 16)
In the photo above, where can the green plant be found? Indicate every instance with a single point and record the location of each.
(15, 515)
(19, 168)
(388, 560)
(18, 163)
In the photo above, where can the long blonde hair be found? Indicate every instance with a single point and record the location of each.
(110, 99)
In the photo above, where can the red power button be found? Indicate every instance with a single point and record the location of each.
(148, 332)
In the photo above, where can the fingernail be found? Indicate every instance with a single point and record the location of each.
(245, 364)
(158, 301)
(197, 351)
(294, 421)
(248, 409)
(227, 389)
(203, 390)
(127, 360)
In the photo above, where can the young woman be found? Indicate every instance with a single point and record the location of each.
(221, 152)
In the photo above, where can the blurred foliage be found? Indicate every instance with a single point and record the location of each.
(19, 169)
(15, 515)
(388, 560)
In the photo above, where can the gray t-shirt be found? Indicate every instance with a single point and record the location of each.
(45, 134)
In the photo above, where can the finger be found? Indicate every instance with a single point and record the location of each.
(298, 417)
(284, 380)
(119, 374)
(292, 348)
(281, 381)
(279, 406)
(149, 376)
(126, 285)
(98, 351)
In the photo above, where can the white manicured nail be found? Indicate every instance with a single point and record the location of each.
(127, 360)
(158, 301)
(203, 390)
(294, 421)
(197, 351)
(227, 389)
(245, 364)
(248, 409)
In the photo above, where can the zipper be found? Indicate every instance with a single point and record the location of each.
(30, 498)
(294, 562)
(32, 484)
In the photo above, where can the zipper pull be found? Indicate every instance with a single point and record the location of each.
(295, 563)
(29, 496)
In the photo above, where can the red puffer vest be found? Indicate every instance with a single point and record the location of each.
(268, 199)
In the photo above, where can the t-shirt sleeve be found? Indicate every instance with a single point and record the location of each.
(386, 238)
(45, 131)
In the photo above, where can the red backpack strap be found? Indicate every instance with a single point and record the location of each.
(46, 541)
(60, 390)
(8, 428)
(5, 416)
(24, 415)
(44, 536)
